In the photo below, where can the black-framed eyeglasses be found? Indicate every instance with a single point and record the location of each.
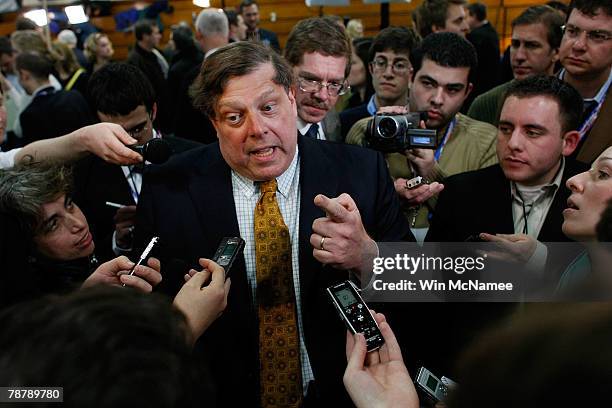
(138, 130)
(593, 36)
(333, 88)
(398, 67)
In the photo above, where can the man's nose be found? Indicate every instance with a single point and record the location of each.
(515, 140)
(323, 93)
(438, 96)
(520, 54)
(256, 125)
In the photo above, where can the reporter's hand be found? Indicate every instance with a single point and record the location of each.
(202, 305)
(108, 141)
(124, 219)
(116, 272)
(378, 378)
(512, 247)
(347, 245)
(418, 195)
(423, 161)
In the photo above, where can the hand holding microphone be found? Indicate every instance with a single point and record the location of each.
(156, 151)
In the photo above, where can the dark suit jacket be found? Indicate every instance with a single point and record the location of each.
(55, 114)
(190, 123)
(331, 126)
(147, 62)
(350, 116)
(486, 43)
(269, 38)
(182, 63)
(480, 201)
(188, 203)
(97, 182)
(472, 202)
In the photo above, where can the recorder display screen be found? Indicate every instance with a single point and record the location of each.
(346, 297)
(432, 383)
(229, 250)
(421, 140)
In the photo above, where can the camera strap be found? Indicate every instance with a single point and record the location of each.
(447, 134)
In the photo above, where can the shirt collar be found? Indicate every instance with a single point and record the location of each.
(210, 52)
(552, 186)
(304, 126)
(601, 94)
(285, 181)
(372, 105)
(42, 88)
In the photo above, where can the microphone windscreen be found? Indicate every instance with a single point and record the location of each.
(156, 151)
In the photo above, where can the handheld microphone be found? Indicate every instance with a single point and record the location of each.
(156, 151)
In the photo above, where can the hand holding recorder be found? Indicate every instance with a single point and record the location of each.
(202, 304)
(378, 378)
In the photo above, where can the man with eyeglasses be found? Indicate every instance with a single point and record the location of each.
(586, 56)
(443, 74)
(389, 64)
(536, 36)
(319, 51)
(119, 93)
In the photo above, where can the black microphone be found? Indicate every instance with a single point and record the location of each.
(156, 151)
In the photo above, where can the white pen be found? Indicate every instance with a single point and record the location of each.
(115, 205)
(144, 255)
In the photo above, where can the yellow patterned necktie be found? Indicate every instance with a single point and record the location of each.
(279, 347)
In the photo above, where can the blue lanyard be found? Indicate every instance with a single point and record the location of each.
(590, 121)
(449, 130)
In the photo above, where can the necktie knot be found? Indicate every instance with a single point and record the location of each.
(313, 131)
(268, 186)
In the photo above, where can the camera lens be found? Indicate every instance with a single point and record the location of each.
(387, 127)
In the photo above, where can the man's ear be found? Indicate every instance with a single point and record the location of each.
(570, 142)
(292, 101)
(215, 124)
(436, 29)
(23, 74)
(154, 112)
(468, 90)
(555, 55)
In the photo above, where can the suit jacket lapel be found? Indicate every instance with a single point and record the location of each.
(600, 137)
(211, 192)
(501, 198)
(316, 177)
(331, 126)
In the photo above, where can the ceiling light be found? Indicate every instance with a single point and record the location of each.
(39, 16)
(76, 14)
